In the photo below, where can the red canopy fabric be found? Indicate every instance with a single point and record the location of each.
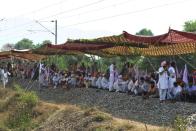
(172, 43)
(80, 46)
(172, 37)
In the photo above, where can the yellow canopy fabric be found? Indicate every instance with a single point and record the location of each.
(28, 55)
(172, 43)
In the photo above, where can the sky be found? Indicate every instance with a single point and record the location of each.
(89, 18)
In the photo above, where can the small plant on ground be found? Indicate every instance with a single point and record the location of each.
(101, 117)
(180, 123)
(30, 98)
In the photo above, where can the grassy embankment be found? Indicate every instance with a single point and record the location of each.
(20, 110)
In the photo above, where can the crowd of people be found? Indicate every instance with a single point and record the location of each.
(162, 83)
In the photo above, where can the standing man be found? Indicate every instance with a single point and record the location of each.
(111, 78)
(163, 81)
(172, 79)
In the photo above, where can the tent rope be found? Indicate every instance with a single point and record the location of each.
(187, 62)
(151, 64)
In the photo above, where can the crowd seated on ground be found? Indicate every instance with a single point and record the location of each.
(162, 83)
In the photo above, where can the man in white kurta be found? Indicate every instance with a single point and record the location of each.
(172, 79)
(5, 77)
(104, 83)
(111, 78)
(163, 81)
(120, 84)
(98, 82)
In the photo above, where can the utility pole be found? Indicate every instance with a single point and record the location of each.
(55, 30)
(55, 34)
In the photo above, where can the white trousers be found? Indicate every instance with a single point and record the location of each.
(162, 94)
(111, 82)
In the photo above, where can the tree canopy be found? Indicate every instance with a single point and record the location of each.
(24, 44)
(46, 42)
(190, 26)
(145, 31)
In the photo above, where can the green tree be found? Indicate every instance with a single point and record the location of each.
(43, 43)
(46, 42)
(190, 26)
(145, 31)
(24, 44)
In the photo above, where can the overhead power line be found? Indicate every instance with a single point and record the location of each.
(126, 13)
(45, 27)
(99, 9)
(74, 9)
(59, 13)
(42, 8)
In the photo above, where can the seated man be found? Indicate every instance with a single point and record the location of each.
(98, 82)
(177, 91)
(72, 80)
(93, 80)
(131, 86)
(120, 85)
(144, 87)
(63, 80)
(80, 80)
(138, 86)
(192, 89)
(104, 82)
(87, 80)
(152, 89)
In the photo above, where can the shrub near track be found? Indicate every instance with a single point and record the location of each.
(22, 114)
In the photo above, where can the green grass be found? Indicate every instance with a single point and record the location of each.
(18, 106)
(180, 123)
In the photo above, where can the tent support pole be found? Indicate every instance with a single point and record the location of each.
(151, 63)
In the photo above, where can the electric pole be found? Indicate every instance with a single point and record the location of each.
(55, 30)
(55, 34)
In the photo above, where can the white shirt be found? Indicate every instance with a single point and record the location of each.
(111, 69)
(163, 79)
(104, 82)
(177, 90)
(172, 72)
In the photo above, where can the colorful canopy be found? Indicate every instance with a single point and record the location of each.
(172, 37)
(172, 43)
(21, 54)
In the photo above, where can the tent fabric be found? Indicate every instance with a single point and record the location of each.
(110, 41)
(21, 54)
(49, 49)
(172, 43)
(80, 46)
(172, 37)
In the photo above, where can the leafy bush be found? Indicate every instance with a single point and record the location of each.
(30, 98)
(22, 113)
(180, 123)
(21, 117)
